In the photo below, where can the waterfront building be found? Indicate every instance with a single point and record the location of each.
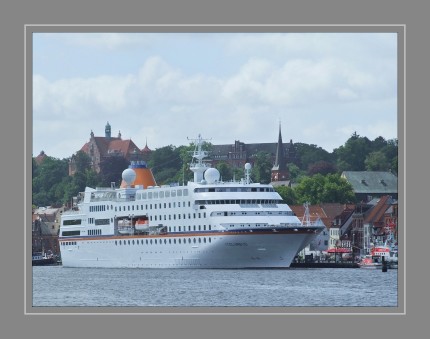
(368, 185)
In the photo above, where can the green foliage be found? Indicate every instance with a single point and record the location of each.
(262, 170)
(324, 189)
(111, 169)
(351, 156)
(47, 177)
(226, 172)
(321, 167)
(309, 154)
(287, 194)
(377, 161)
(51, 184)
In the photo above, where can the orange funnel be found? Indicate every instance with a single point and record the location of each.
(144, 175)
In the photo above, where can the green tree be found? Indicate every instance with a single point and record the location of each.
(226, 172)
(82, 160)
(324, 189)
(377, 161)
(309, 154)
(287, 194)
(351, 156)
(322, 167)
(262, 169)
(294, 172)
(111, 169)
(48, 175)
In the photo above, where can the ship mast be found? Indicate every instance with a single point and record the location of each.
(197, 165)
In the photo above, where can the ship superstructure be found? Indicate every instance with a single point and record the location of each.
(206, 223)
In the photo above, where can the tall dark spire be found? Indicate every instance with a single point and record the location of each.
(280, 153)
(279, 169)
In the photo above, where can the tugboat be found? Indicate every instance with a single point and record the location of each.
(43, 258)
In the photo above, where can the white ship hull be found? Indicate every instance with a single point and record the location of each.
(204, 224)
(229, 250)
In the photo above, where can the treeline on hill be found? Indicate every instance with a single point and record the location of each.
(315, 175)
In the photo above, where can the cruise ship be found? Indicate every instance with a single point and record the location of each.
(206, 223)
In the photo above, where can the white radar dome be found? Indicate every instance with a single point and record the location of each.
(248, 166)
(128, 175)
(212, 175)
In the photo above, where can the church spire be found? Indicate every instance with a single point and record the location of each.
(279, 169)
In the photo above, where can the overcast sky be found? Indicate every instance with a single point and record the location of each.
(166, 87)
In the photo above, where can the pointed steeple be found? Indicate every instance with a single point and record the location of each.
(279, 169)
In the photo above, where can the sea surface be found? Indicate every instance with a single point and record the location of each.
(60, 286)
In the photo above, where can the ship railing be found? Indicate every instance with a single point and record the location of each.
(269, 205)
(70, 212)
(249, 205)
(103, 199)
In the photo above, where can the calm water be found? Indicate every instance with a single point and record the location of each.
(60, 286)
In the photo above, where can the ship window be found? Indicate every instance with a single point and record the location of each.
(144, 195)
(174, 241)
(179, 216)
(204, 240)
(155, 195)
(132, 241)
(210, 227)
(210, 240)
(155, 241)
(150, 241)
(72, 222)
(149, 195)
(162, 194)
(189, 240)
(179, 240)
(185, 192)
(165, 241)
(189, 228)
(128, 208)
(179, 193)
(173, 194)
(70, 233)
(167, 194)
(129, 242)
(200, 240)
(170, 241)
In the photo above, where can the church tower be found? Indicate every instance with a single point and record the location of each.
(279, 169)
(107, 131)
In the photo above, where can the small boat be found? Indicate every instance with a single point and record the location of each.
(43, 258)
(369, 262)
